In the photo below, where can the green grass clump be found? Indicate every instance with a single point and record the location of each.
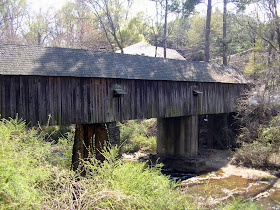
(239, 203)
(116, 184)
(23, 168)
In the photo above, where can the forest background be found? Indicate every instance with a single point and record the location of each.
(228, 33)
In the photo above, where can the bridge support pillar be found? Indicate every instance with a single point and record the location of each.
(91, 138)
(178, 136)
(221, 130)
(177, 144)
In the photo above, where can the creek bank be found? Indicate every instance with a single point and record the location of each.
(222, 181)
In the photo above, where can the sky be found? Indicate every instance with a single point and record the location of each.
(36, 5)
(139, 5)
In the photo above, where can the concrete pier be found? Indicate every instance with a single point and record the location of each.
(178, 136)
(177, 144)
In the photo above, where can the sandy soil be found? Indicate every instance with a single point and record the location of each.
(220, 160)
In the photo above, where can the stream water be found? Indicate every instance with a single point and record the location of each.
(218, 187)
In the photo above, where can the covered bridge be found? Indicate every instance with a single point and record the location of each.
(91, 89)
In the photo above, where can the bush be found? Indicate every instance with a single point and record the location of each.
(23, 167)
(53, 133)
(260, 136)
(256, 154)
(138, 134)
(113, 184)
(62, 150)
(254, 118)
(29, 181)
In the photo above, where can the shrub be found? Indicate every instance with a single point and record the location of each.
(138, 134)
(114, 184)
(53, 133)
(62, 151)
(29, 181)
(260, 137)
(23, 166)
(255, 154)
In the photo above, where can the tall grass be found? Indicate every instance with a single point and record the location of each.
(23, 168)
(31, 179)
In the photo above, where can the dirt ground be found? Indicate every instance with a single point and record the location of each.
(221, 160)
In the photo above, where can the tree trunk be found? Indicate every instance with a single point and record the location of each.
(225, 33)
(165, 29)
(276, 21)
(207, 31)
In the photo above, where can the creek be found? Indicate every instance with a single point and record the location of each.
(218, 187)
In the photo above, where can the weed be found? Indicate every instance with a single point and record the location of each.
(265, 178)
(239, 203)
(22, 167)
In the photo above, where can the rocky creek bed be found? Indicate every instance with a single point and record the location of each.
(222, 181)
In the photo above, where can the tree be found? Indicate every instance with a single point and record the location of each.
(77, 27)
(12, 13)
(224, 32)
(39, 28)
(134, 30)
(241, 5)
(112, 15)
(207, 31)
(163, 9)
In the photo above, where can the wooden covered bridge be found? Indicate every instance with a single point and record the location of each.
(93, 89)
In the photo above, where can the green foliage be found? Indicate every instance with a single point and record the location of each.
(143, 187)
(260, 137)
(257, 61)
(62, 151)
(271, 133)
(53, 133)
(23, 165)
(239, 203)
(134, 30)
(266, 178)
(255, 154)
(135, 135)
(29, 181)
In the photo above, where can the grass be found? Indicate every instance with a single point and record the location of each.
(239, 203)
(22, 167)
(34, 175)
(31, 179)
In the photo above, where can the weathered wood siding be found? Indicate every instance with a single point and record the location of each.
(71, 100)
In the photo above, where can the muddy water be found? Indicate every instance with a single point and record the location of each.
(217, 187)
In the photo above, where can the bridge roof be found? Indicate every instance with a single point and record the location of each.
(47, 61)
